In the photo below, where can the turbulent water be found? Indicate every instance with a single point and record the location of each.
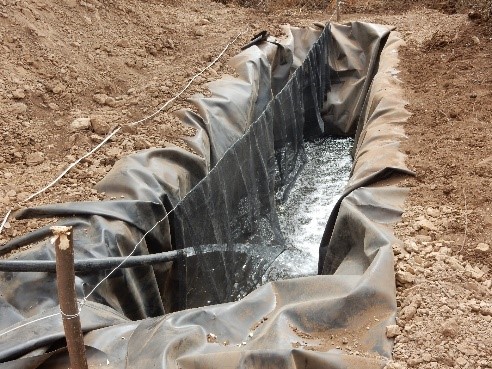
(304, 215)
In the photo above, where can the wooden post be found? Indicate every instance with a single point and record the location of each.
(338, 11)
(65, 280)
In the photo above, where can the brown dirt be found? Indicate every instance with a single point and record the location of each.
(116, 61)
(443, 267)
(113, 62)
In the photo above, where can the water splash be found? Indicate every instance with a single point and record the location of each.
(304, 215)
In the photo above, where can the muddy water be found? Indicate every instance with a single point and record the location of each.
(304, 215)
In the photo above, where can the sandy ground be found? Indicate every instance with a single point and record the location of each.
(72, 70)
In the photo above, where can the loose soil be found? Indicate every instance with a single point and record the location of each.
(117, 61)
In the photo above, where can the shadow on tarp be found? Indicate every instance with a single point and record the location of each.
(249, 144)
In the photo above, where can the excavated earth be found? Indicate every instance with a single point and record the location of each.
(72, 70)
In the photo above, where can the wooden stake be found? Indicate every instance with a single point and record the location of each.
(65, 280)
(338, 11)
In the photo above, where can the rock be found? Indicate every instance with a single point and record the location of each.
(59, 88)
(129, 128)
(34, 158)
(455, 264)
(474, 15)
(414, 361)
(475, 40)
(426, 225)
(199, 32)
(433, 212)
(18, 108)
(22, 196)
(392, 331)
(461, 361)
(99, 125)
(100, 98)
(427, 357)
(410, 246)
(405, 277)
(122, 43)
(394, 365)
(450, 328)
(53, 106)
(80, 124)
(408, 312)
(110, 101)
(483, 247)
(18, 94)
(114, 152)
(474, 272)
(142, 144)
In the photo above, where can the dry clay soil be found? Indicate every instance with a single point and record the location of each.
(115, 62)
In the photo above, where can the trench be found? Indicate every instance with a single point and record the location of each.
(303, 215)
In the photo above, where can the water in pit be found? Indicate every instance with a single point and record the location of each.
(304, 215)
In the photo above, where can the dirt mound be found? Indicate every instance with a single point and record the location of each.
(71, 71)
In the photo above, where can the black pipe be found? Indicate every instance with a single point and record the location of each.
(91, 265)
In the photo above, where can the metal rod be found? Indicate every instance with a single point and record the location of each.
(65, 280)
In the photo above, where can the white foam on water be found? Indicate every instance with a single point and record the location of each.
(304, 215)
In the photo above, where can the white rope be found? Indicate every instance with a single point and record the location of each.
(5, 220)
(28, 323)
(134, 249)
(109, 136)
(81, 304)
(167, 104)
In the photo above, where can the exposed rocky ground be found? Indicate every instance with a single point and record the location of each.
(72, 70)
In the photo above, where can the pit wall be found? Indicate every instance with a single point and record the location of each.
(333, 320)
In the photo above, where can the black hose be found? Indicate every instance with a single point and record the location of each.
(91, 265)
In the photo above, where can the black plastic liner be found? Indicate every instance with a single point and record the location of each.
(248, 145)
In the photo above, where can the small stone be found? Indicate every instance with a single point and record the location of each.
(461, 361)
(22, 196)
(199, 32)
(393, 365)
(433, 212)
(392, 331)
(122, 43)
(413, 361)
(99, 125)
(53, 106)
(18, 94)
(142, 144)
(129, 128)
(475, 40)
(405, 277)
(110, 101)
(476, 273)
(426, 225)
(100, 98)
(408, 312)
(80, 124)
(211, 338)
(59, 88)
(483, 247)
(18, 108)
(34, 158)
(450, 328)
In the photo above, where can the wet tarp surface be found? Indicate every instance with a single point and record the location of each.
(248, 147)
